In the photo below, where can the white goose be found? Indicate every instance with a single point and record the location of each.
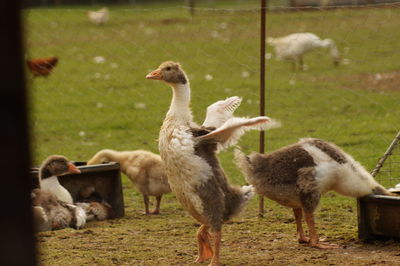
(98, 17)
(189, 154)
(293, 46)
(51, 168)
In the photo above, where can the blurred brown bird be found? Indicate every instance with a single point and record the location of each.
(42, 66)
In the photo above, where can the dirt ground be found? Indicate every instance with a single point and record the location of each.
(168, 239)
(388, 81)
(381, 81)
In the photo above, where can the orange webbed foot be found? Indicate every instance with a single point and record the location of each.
(155, 212)
(205, 250)
(306, 240)
(324, 245)
(206, 254)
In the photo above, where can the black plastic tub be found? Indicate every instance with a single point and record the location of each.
(105, 178)
(379, 217)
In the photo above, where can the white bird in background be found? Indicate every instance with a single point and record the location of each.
(98, 17)
(293, 46)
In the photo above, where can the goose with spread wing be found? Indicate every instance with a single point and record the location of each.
(189, 153)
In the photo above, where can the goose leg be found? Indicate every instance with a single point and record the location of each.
(294, 67)
(314, 238)
(261, 206)
(203, 239)
(146, 204)
(301, 63)
(217, 245)
(298, 214)
(157, 209)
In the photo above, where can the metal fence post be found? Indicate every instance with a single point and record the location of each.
(262, 87)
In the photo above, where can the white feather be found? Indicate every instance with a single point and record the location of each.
(230, 132)
(248, 191)
(52, 185)
(219, 112)
(80, 215)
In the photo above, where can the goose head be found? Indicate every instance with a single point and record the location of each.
(57, 165)
(169, 72)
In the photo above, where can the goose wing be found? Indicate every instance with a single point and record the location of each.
(230, 132)
(219, 112)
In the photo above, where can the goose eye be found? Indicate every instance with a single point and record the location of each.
(168, 68)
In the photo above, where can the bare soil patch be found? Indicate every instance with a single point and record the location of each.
(168, 239)
(389, 81)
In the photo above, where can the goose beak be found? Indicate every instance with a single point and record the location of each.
(156, 74)
(73, 169)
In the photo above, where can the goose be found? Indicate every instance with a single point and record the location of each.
(293, 46)
(52, 167)
(95, 207)
(145, 169)
(52, 214)
(193, 170)
(98, 17)
(297, 175)
(96, 210)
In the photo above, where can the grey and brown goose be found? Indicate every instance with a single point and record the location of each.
(95, 207)
(52, 214)
(297, 175)
(51, 168)
(189, 153)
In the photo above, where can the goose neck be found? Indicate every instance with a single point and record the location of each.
(180, 104)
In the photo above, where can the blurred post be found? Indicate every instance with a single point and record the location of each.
(190, 5)
(17, 243)
(262, 88)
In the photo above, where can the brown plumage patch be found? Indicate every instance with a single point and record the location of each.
(286, 176)
(281, 166)
(43, 198)
(329, 149)
(221, 201)
(53, 165)
(58, 212)
(308, 189)
(197, 132)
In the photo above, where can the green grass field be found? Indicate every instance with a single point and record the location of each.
(84, 106)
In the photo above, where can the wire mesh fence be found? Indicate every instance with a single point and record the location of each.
(97, 97)
(388, 167)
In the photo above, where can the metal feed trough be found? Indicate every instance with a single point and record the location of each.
(379, 216)
(105, 178)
